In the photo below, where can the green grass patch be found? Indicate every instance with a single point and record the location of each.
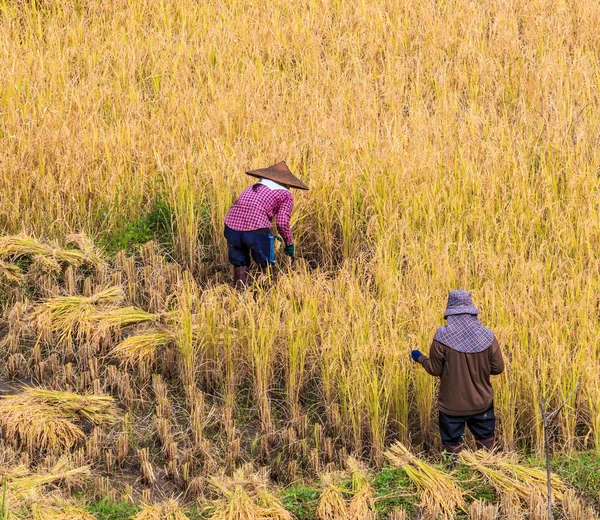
(105, 510)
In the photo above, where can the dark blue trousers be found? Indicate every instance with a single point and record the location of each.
(241, 245)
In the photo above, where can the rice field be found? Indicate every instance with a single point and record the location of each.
(447, 144)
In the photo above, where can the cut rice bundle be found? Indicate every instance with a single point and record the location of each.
(508, 477)
(27, 486)
(245, 496)
(46, 255)
(362, 504)
(39, 420)
(60, 512)
(143, 347)
(332, 505)
(440, 496)
(67, 316)
(168, 510)
(10, 273)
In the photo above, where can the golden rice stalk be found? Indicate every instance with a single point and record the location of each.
(479, 510)
(575, 508)
(505, 467)
(143, 347)
(22, 245)
(39, 419)
(245, 496)
(505, 485)
(121, 317)
(37, 427)
(362, 504)
(98, 409)
(440, 496)
(67, 315)
(168, 510)
(332, 505)
(534, 477)
(398, 514)
(237, 505)
(23, 486)
(60, 512)
(271, 506)
(91, 254)
(10, 273)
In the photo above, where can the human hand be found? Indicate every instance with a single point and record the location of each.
(416, 354)
(290, 250)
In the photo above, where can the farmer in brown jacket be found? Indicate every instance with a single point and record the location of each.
(464, 354)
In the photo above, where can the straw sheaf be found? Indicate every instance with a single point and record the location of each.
(26, 486)
(50, 257)
(245, 496)
(440, 496)
(168, 510)
(10, 273)
(143, 347)
(510, 478)
(39, 420)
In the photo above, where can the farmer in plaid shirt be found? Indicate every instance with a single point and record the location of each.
(248, 222)
(464, 354)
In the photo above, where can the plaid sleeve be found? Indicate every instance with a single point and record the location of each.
(284, 213)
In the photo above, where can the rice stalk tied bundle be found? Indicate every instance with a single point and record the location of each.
(362, 504)
(440, 496)
(121, 317)
(167, 510)
(27, 486)
(245, 496)
(332, 505)
(92, 255)
(506, 485)
(98, 409)
(40, 420)
(20, 246)
(10, 273)
(43, 511)
(67, 316)
(504, 471)
(144, 347)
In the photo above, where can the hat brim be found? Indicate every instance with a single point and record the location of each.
(279, 173)
(463, 309)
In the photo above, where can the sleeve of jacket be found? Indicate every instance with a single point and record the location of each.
(284, 213)
(496, 359)
(434, 364)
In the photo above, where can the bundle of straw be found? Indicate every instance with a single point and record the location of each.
(10, 273)
(362, 504)
(440, 496)
(168, 510)
(332, 505)
(24, 486)
(24, 246)
(508, 477)
(43, 511)
(68, 315)
(45, 420)
(143, 347)
(245, 496)
(91, 254)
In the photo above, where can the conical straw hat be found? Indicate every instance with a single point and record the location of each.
(279, 173)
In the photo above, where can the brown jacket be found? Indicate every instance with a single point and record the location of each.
(465, 387)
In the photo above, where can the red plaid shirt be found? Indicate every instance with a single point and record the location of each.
(256, 207)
